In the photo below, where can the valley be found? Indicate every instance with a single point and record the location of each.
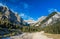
(12, 26)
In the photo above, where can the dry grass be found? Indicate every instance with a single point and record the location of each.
(54, 36)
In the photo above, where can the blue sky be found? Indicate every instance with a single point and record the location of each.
(32, 9)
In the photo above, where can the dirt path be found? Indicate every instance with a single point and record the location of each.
(37, 35)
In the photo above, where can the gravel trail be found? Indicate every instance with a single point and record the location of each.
(36, 35)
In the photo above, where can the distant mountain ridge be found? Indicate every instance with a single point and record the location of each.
(14, 18)
(48, 20)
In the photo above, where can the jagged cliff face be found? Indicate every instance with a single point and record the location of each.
(54, 17)
(11, 16)
(38, 22)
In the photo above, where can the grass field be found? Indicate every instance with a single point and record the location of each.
(54, 36)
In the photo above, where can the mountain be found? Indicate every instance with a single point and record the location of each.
(48, 20)
(13, 17)
(10, 22)
(31, 22)
(39, 20)
(52, 25)
(51, 19)
(35, 22)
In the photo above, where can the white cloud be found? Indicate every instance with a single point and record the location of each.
(25, 5)
(24, 16)
(30, 18)
(1, 4)
(51, 10)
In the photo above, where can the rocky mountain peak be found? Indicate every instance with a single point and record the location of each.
(10, 15)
